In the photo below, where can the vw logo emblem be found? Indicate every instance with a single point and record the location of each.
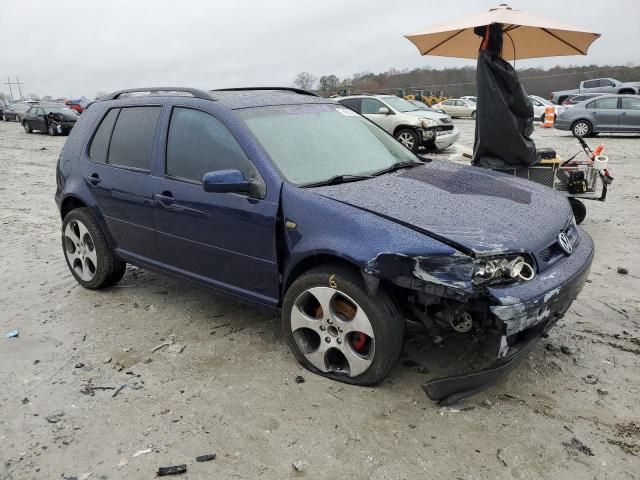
(565, 243)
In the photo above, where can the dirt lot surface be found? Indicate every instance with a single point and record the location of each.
(226, 384)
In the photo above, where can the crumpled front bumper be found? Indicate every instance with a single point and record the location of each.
(524, 313)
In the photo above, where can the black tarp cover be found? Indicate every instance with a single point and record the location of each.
(504, 115)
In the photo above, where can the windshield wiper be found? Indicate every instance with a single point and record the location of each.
(336, 179)
(397, 166)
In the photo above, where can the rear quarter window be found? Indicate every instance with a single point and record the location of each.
(100, 144)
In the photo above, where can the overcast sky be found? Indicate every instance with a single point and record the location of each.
(79, 47)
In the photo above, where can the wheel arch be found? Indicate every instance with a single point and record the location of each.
(626, 91)
(404, 127)
(314, 260)
(70, 203)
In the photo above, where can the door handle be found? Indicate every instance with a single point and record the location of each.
(165, 198)
(623, 113)
(94, 179)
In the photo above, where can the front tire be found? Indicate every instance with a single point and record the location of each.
(88, 256)
(337, 330)
(409, 138)
(582, 128)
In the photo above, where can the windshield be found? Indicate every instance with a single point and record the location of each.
(420, 105)
(543, 101)
(400, 104)
(313, 143)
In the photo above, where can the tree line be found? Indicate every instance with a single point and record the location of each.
(456, 82)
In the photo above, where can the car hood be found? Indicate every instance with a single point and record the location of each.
(478, 211)
(439, 117)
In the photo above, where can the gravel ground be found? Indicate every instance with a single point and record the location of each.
(572, 410)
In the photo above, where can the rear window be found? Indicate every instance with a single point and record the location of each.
(132, 139)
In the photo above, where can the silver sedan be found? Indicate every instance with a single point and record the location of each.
(607, 113)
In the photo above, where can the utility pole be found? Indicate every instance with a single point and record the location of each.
(19, 89)
(8, 82)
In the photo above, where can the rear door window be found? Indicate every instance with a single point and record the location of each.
(606, 103)
(199, 143)
(100, 144)
(132, 139)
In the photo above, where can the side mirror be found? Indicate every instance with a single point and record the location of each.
(222, 181)
(384, 111)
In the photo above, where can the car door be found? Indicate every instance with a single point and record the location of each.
(225, 240)
(117, 170)
(629, 119)
(605, 112)
(590, 86)
(370, 108)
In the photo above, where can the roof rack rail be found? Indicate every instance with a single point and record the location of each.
(194, 92)
(284, 89)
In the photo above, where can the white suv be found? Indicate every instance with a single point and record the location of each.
(410, 125)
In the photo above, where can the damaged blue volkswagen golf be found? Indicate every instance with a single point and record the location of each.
(292, 202)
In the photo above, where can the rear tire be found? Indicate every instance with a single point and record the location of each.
(88, 256)
(582, 128)
(409, 138)
(579, 210)
(27, 127)
(52, 131)
(322, 338)
(473, 114)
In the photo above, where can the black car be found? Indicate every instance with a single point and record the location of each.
(14, 111)
(53, 120)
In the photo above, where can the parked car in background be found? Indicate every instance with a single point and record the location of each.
(539, 105)
(598, 85)
(572, 100)
(606, 113)
(457, 107)
(53, 120)
(283, 199)
(14, 112)
(470, 98)
(74, 105)
(411, 125)
(424, 106)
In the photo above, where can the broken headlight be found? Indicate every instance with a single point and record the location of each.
(502, 269)
(428, 123)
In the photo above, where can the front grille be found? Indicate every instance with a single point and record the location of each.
(552, 253)
(444, 128)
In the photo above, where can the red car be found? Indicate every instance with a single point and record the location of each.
(74, 105)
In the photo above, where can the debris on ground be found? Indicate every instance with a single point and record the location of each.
(54, 417)
(106, 360)
(576, 444)
(162, 345)
(175, 349)
(79, 365)
(173, 470)
(602, 392)
(142, 452)
(299, 379)
(551, 347)
(626, 447)
(300, 466)
(206, 458)
(499, 457)
(622, 271)
(25, 400)
(590, 379)
(567, 350)
(12, 334)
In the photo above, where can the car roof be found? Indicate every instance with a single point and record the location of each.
(232, 98)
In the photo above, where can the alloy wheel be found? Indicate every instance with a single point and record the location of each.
(80, 250)
(581, 129)
(332, 331)
(406, 139)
